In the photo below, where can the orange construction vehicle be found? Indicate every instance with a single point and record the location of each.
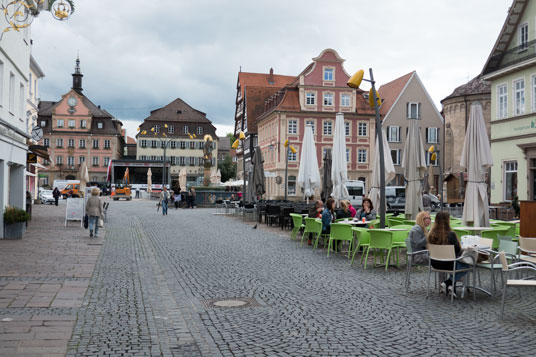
(122, 188)
(71, 190)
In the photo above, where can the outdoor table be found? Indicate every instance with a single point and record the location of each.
(476, 230)
(355, 222)
(476, 242)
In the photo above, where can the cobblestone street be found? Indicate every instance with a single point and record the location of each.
(158, 281)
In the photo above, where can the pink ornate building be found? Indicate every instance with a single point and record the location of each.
(76, 130)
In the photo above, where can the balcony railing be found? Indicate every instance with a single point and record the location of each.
(511, 57)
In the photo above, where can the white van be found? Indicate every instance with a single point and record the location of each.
(356, 190)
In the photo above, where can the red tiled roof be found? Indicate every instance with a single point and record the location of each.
(247, 79)
(389, 92)
(131, 140)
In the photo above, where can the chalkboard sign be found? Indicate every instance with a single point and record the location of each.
(75, 210)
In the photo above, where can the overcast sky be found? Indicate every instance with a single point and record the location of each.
(137, 55)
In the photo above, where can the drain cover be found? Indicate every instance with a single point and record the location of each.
(230, 303)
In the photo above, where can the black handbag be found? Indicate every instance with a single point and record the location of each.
(86, 221)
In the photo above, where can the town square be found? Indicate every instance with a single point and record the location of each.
(253, 179)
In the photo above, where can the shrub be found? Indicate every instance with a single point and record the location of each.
(14, 215)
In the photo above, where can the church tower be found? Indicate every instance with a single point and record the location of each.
(77, 77)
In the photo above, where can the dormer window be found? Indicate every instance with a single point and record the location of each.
(100, 125)
(523, 40)
(328, 74)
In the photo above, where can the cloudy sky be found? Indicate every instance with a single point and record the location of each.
(137, 55)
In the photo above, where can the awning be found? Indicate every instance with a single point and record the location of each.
(40, 150)
(28, 173)
(40, 166)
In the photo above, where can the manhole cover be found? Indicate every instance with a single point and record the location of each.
(7, 319)
(230, 303)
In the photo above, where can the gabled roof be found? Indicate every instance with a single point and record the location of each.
(390, 92)
(131, 140)
(255, 98)
(286, 99)
(46, 108)
(178, 111)
(507, 34)
(247, 79)
(477, 85)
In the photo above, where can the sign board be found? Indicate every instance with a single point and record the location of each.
(75, 210)
(31, 158)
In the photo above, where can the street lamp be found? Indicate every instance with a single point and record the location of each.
(241, 138)
(355, 82)
(435, 156)
(293, 150)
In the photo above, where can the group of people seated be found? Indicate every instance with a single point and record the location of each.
(329, 215)
(441, 234)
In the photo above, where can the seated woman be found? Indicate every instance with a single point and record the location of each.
(328, 216)
(345, 210)
(366, 211)
(417, 236)
(442, 234)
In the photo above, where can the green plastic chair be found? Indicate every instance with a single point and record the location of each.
(318, 225)
(297, 221)
(341, 232)
(399, 238)
(461, 232)
(393, 221)
(511, 227)
(492, 234)
(311, 226)
(380, 240)
(362, 236)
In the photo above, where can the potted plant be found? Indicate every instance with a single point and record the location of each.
(14, 222)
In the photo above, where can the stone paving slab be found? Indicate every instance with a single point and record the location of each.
(43, 280)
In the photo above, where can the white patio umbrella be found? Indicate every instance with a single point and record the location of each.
(149, 180)
(339, 171)
(215, 176)
(182, 179)
(374, 192)
(84, 177)
(477, 159)
(414, 164)
(308, 173)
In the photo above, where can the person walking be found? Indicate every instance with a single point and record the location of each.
(164, 197)
(56, 194)
(94, 211)
(137, 192)
(177, 199)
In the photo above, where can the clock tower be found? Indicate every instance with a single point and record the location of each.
(77, 77)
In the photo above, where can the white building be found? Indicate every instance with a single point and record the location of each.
(14, 72)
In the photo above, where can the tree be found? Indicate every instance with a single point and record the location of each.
(231, 138)
(227, 168)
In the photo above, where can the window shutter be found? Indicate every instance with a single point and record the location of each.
(388, 133)
(437, 138)
(408, 110)
(419, 110)
(427, 136)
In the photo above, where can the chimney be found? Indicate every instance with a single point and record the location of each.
(271, 76)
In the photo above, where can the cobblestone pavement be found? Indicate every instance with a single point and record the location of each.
(157, 278)
(43, 281)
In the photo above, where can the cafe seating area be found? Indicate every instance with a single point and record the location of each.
(387, 248)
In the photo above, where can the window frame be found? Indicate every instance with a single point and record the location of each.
(331, 71)
(428, 136)
(519, 107)
(311, 123)
(72, 123)
(505, 172)
(60, 123)
(325, 96)
(396, 162)
(347, 96)
(523, 37)
(82, 143)
(359, 126)
(327, 125)
(310, 98)
(502, 105)
(362, 156)
(390, 136)
(409, 112)
(292, 126)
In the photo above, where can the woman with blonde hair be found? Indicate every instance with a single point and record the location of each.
(94, 211)
(417, 236)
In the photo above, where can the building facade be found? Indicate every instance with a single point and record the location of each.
(314, 98)
(405, 99)
(252, 90)
(15, 49)
(511, 69)
(77, 131)
(456, 111)
(180, 129)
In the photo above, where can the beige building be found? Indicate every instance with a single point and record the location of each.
(405, 99)
(182, 128)
(456, 111)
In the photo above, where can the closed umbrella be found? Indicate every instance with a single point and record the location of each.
(374, 192)
(182, 178)
(477, 159)
(84, 177)
(258, 182)
(327, 184)
(414, 164)
(308, 174)
(339, 171)
(149, 180)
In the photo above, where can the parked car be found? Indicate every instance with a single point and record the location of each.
(46, 197)
(435, 203)
(396, 204)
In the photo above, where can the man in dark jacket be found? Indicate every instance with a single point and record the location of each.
(56, 193)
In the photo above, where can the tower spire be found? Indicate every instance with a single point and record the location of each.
(77, 76)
